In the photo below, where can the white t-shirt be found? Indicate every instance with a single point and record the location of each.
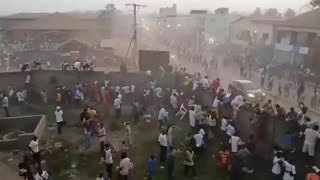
(192, 118)
(77, 65)
(102, 134)
(34, 145)
(212, 122)
(199, 139)
(230, 130)
(44, 176)
(311, 136)
(117, 103)
(125, 165)
(58, 115)
(108, 157)
(204, 82)
(235, 142)
(224, 124)
(216, 103)
(163, 140)
(276, 167)
(20, 97)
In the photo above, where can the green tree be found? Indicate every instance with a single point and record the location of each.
(290, 13)
(315, 3)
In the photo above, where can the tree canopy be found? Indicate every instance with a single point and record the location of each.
(315, 3)
(290, 13)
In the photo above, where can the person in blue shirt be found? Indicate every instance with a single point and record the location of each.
(151, 167)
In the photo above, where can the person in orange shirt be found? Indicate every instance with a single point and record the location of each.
(314, 175)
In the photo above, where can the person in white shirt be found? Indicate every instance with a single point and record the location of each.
(5, 105)
(192, 117)
(235, 141)
(34, 148)
(125, 166)
(108, 160)
(77, 65)
(311, 136)
(163, 148)
(199, 140)
(230, 130)
(117, 106)
(162, 116)
(101, 136)
(78, 97)
(204, 82)
(277, 166)
(174, 101)
(28, 79)
(170, 136)
(224, 124)
(290, 170)
(59, 118)
(48, 65)
(41, 175)
(216, 103)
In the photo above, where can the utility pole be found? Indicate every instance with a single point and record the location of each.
(134, 37)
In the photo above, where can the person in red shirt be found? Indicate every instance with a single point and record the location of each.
(224, 162)
(215, 85)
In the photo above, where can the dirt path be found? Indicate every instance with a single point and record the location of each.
(8, 173)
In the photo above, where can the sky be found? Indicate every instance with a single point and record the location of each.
(15, 6)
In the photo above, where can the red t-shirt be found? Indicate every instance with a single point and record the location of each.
(223, 159)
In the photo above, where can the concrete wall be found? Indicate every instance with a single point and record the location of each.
(31, 125)
(42, 79)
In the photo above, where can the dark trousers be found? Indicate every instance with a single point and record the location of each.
(6, 111)
(170, 172)
(163, 154)
(276, 177)
(109, 170)
(59, 125)
(190, 168)
(102, 148)
(123, 177)
(118, 113)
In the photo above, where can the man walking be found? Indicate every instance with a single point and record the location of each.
(59, 118)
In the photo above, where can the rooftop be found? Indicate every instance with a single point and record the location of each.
(56, 21)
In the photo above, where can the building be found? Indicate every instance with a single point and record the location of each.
(168, 11)
(44, 27)
(297, 40)
(248, 30)
(217, 26)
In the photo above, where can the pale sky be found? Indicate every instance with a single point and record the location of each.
(14, 6)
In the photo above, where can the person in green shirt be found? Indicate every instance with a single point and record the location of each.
(189, 163)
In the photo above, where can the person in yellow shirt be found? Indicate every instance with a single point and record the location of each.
(189, 163)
